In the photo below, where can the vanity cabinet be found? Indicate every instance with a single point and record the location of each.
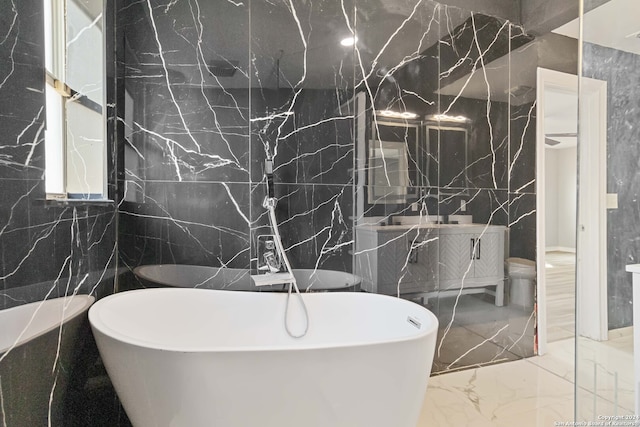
(396, 260)
(446, 258)
(472, 259)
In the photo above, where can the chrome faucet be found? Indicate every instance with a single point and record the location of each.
(271, 259)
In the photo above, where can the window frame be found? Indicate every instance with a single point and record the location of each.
(56, 53)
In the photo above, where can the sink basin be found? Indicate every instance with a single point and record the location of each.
(418, 219)
(460, 219)
(432, 220)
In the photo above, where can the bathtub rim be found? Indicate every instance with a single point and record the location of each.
(88, 301)
(142, 272)
(98, 325)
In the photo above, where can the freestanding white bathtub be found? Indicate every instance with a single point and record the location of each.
(206, 358)
(38, 349)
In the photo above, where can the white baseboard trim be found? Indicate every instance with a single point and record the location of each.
(560, 249)
(621, 332)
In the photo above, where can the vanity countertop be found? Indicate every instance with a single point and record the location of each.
(463, 228)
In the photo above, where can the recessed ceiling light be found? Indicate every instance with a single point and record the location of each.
(349, 41)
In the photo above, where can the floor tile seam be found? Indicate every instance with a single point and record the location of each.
(571, 382)
(528, 359)
(607, 400)
(492, 342)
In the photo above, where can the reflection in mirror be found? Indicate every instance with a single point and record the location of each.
(393, 163)
(468, 165)
(450, 145)
(324, 112)
(388, 172)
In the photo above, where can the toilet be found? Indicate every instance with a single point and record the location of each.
(522, 279)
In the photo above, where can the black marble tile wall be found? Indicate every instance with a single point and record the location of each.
(47, 249)
(40, 242)
(212, 91)
(620, 70)
(200, 94)
(198, 137)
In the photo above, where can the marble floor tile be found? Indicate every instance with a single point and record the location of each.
(463, 348)
(606, 369)
(560, 298)
(480, 333)
(537, 391)
(515, 393)
(559, 359)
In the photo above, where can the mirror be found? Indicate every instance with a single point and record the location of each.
(393, 161)
(403, 156)
(449, 145)
(388, 172)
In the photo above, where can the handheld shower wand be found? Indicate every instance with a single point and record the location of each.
(268, 172)
(269, 203)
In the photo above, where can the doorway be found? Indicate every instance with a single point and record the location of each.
(558, 92)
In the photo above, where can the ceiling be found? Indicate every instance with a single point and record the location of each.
(604, 25)
(299, 47)
(277, 51)
(614, 24)
(512, 78)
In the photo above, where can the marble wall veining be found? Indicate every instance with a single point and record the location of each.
(211, 89)
(41, 241)
(622, 171)
(196, 150)
(47, 249)
(200, 94)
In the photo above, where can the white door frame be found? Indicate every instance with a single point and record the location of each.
(591, 266)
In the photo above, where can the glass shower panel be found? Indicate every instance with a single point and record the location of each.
(436, 79)
(186, 119)
(302, 119)
(396, 241)
(470, 128)
(608, 131)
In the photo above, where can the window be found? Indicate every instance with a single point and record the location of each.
(75, 151)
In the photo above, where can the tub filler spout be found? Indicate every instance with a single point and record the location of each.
(272, 279)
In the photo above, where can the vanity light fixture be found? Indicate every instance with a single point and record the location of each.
(448, 118)
(397, 114)
(349, 41)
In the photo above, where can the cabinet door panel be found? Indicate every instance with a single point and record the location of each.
(390, 259)
(490, 259)
(455, 257)
(420, 262)
(407, 256)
